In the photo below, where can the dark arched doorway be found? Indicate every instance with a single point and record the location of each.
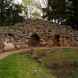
(35, 40)
(56, 40)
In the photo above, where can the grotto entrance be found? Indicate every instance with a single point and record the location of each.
(56, 40)
(34, 40)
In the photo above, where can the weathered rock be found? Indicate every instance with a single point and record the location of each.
(8, 45)
(51, 35)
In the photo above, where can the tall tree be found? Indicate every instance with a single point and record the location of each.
(69, 10)
(72, 12)
(56, 8)
(9, 12)
(75, 9)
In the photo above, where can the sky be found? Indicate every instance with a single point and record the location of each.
(42, 3)
(17, 1)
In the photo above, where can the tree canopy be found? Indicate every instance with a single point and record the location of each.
(9, 12)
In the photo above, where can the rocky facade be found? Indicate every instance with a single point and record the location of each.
(47, 35)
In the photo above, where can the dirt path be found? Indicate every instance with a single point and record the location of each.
(7, 53)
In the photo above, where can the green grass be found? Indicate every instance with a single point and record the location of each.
(64, 62)
(63, 55)
(22, 66)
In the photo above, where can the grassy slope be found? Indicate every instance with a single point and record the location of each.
(65, 62)
(22, 66)
(66, 54)
(62, 62)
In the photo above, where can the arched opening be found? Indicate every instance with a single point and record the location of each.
(56, 40)
(35, 40)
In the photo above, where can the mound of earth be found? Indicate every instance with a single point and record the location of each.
(38, 33)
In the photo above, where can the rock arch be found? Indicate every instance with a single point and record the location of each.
(56, 40)
(34, 40)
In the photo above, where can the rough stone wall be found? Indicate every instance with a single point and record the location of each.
(51, 35)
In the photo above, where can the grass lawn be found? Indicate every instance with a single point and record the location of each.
(65, 54)
(22, 66)
(63, 63)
